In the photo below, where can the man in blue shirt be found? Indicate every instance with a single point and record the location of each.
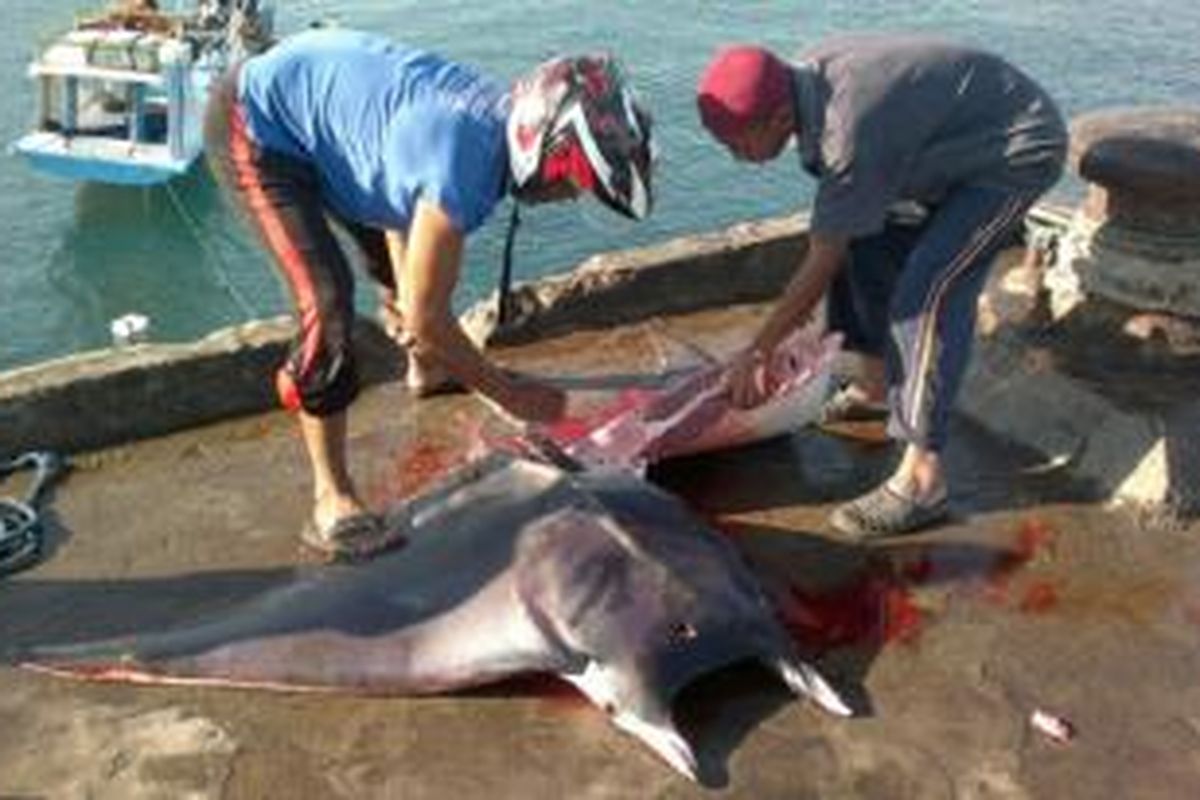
(927, 155)
(408, 152)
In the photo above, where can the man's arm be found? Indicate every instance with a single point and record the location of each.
(389, 299)
(427, 275)
(747, 378)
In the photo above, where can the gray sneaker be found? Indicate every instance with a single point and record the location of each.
(886, 512)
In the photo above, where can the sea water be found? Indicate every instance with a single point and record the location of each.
(75, 257)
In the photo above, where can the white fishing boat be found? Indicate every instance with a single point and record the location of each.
(121, 96)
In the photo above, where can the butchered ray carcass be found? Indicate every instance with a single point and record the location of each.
(692, 412)
(513, 566)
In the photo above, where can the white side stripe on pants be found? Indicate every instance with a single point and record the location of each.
(926, 337)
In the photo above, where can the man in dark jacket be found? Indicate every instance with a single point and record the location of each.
(927, 156)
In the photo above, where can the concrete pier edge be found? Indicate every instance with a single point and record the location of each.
(110, 396)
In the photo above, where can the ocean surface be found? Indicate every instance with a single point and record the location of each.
(74, 257)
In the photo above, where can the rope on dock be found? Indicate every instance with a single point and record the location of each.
(22, 534)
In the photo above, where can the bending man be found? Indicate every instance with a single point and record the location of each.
(927, 156)
(408, 153)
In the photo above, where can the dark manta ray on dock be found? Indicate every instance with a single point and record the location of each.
(513, 566)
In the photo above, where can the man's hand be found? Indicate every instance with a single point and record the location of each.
(747, 379)
(430, 271)
(390, 317)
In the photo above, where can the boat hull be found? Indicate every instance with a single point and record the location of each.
(100, 160)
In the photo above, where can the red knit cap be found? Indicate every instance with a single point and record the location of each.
(742, 85)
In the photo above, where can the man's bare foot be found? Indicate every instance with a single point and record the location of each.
(329, 506)
(855, 402)
(424, 379)
(920, 476)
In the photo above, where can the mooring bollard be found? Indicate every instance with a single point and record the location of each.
(1108, 384)
(1135, 239)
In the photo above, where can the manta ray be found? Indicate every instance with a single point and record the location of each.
(513, 566)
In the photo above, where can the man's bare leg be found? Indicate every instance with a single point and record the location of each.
(333, 491)
(913, 497)
(920, 476)
(423, 377)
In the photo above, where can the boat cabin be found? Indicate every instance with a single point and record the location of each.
(121, 97)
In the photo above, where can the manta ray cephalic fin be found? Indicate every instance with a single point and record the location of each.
(805, 681)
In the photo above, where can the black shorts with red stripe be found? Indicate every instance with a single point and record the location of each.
(280, 198)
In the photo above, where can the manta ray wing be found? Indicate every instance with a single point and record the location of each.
(440, 614)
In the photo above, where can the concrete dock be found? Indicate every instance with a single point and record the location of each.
(1032, 599)
(1038, 596)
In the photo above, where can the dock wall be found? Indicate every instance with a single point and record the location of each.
(106, 397)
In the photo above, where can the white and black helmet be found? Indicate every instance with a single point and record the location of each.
(579, 110)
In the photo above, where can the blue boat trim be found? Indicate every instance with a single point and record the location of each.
(121, 98)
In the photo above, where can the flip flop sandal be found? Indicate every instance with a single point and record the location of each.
(843, 406)
(433, 389)
(353, 538)
(431, 381)
(886, 512)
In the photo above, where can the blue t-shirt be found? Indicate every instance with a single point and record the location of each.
(383, 124)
